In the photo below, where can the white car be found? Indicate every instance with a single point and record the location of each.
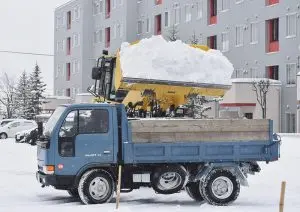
(10, 129)
(6, 121)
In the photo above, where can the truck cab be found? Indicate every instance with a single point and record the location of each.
(75, 137)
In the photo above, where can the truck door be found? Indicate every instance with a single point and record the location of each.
(85, 137)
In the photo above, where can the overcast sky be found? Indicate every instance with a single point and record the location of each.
(27, 26)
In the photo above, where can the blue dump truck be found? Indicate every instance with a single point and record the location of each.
(82, 145)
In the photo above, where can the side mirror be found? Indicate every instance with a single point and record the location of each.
(40, 128)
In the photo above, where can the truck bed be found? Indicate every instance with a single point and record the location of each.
(159, 141)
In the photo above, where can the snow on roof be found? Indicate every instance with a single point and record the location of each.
(156, 58)
(250, 80)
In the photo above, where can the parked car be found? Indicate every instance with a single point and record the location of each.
(10, 129)
(27, 136)
(6, 121)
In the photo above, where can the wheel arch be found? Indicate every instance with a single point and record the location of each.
(233, 167)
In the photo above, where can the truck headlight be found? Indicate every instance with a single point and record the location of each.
(49, 169)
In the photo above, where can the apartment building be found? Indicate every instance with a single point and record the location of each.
(260, 37)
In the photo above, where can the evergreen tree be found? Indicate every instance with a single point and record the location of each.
(23, 95)
(173, 33)
(194, 40)
(37, 89)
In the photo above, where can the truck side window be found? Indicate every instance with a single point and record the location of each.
(70, 125)
(93, 121)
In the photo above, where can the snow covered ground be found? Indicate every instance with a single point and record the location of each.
(19, 190)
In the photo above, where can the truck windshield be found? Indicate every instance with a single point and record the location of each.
(53, 120)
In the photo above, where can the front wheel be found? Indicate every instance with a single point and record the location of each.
(96, 187)
(220, 187)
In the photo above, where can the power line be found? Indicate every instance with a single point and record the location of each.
(27, 53)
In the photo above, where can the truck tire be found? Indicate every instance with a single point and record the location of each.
(193, 189)
(168, 179)
(220, 187)
(73, 192)
(96, 187)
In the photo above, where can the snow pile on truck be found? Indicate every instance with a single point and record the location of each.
(157, 59)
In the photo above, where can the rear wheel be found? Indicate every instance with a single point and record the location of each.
(96, 187)
(3, 136)
(193, 190)
(220, 187)
(168, 179)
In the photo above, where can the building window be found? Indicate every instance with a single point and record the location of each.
(76, 40)
(188, 13)
(157, 2)
(225, 5)
(199, 7)
(115, 31)
(97, 6)
(291, 25)
(271, 2)
(120, 30)
(212, 42)
(57, 71)
(114, 4)
(76, 12)
(120, 2)
(139, 27)
(107, 8)
(98, 36)
(148, 25)
(107, 37)
(68, 92)
(212, 11)
(291, 74)
(273, 35)
(290, 123)
(225, 41)
(273, 72)
(239, 36)
(68, 75)
(69, 19)
(176, 13)
(167, 19)
(157, 24)
(75, 66)
(68, 46)
(248, 115)
(254, 33)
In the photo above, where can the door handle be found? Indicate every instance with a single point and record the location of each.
(106, 152)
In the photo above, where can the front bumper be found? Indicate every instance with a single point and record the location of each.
(62, 182)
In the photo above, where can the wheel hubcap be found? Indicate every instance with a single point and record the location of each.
(99, 188)
(222, 187)
(169, 180)
(2, 136)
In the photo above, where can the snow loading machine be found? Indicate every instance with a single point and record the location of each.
(144, 97)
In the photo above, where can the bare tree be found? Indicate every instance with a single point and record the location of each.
(173, 33)
(8, 95)
(261, 89)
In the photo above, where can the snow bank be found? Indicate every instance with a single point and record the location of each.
(156, 58)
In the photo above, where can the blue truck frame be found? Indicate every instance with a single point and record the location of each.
(143, 163)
